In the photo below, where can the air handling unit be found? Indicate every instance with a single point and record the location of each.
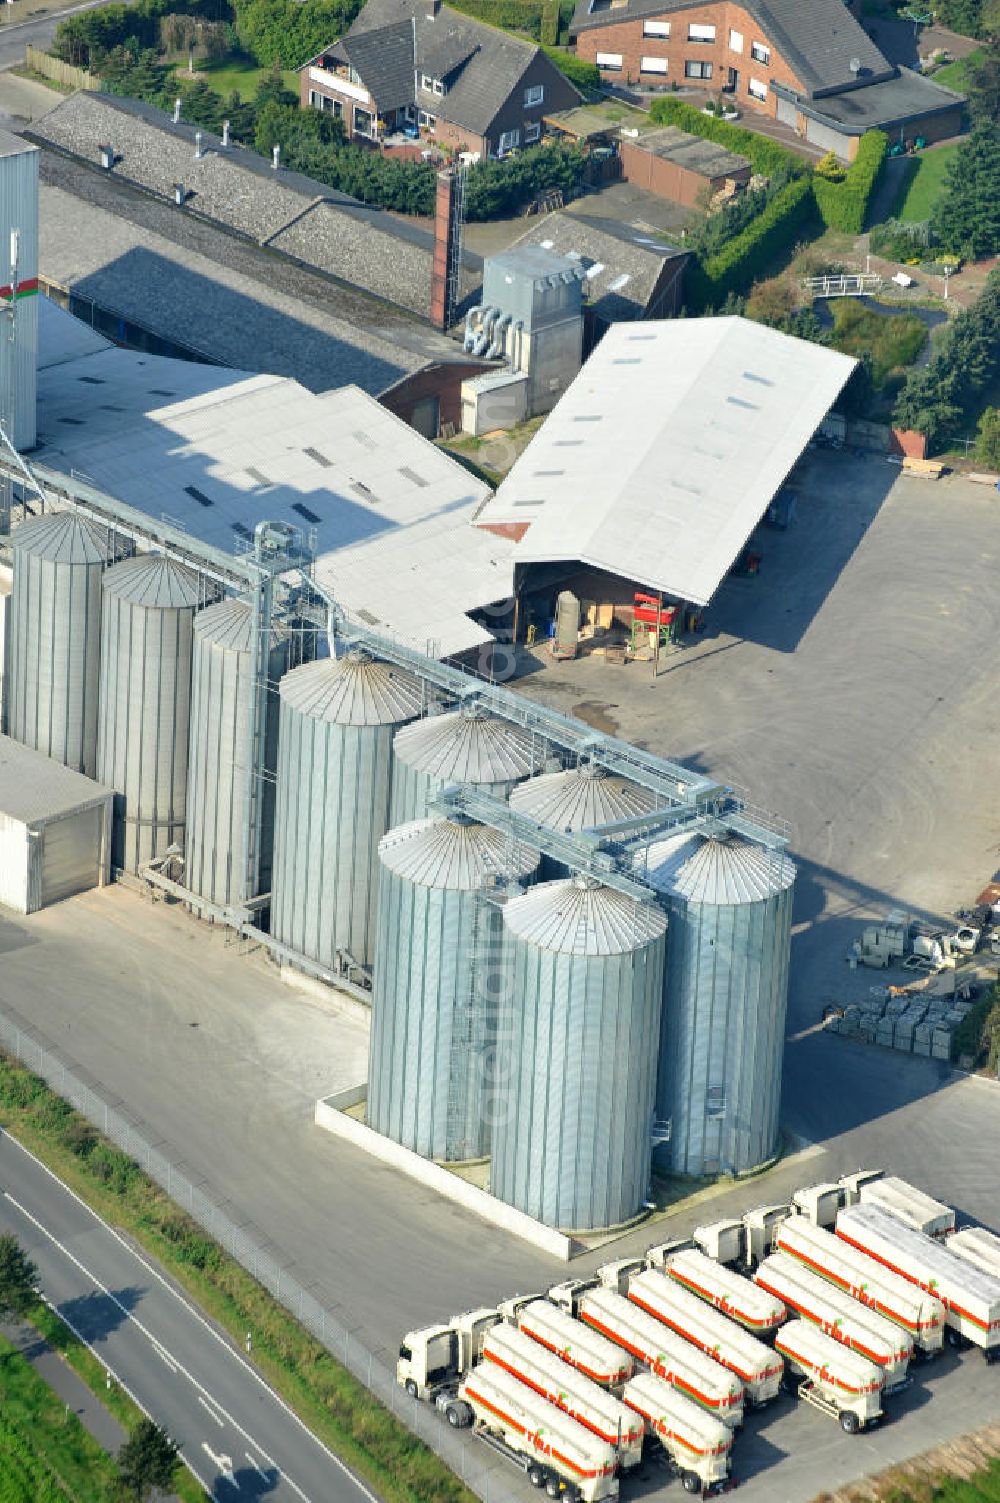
(467, 745)
(338, 718)
(434, 1001)
(578, 1027)
(55, 636)
(719, 1079)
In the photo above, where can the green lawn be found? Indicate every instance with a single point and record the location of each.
(925, 185)
(955, 75)
(46, 1456)
(228, 73)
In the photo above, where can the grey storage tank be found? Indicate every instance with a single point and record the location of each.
(337, 722)
(435, 996)
(726, 989)
(220, 863)
(581, 798)
(142, 743)
(578, 1030)
(463, 746)
(55, 636)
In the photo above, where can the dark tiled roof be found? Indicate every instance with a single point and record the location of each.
(480, 65)
(384, 59)
(628, 264)
(906, 99)
(818, 38)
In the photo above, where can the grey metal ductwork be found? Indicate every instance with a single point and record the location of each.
(518, 333)
(489, 317)
(470, 318)
(497, 346)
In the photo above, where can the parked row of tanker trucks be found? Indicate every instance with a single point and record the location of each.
(831, 1297)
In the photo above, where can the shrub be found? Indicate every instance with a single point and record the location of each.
(87, 38)
(586, 76)
(831, 167)
(738, 263)
(843, 202)
(289, 32)
(978, 1033)
(935, 397)
(766, 156)
(901, 240)
(988, 439)
(494, 190)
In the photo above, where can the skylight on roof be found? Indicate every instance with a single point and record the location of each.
(199, 496)
(303, 511)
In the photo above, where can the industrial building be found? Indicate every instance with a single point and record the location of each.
(240, 604)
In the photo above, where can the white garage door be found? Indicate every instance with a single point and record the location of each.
(787, 111)
(71, 855)
(823, 136)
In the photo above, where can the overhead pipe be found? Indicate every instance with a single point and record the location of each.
(497, 346)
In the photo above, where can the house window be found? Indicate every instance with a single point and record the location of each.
(508, 140)
(701, 33)
(364, 122)
(736, 41)
(427, 121)
(697, 70)
(534, 95)
(426, 82)
(410, 113)
(656, 28)
(760, 53)
(653, 65)
(437, 87)
(611, 62)
(757, 89)
(532, 131)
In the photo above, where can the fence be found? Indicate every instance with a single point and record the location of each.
(60, 72)
(478, 1467)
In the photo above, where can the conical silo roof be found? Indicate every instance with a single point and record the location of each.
(582, 798)
(468, 746)
(229, 624)
(715, 869)
(356, 689)
(154, 583)
(454, 853)
(62, 537)
(580, 916)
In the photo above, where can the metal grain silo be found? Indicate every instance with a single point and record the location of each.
(719, 1080)
(19, 275)
(581, 798)
(464, 746)
(142, 743)
(220, 861)
(435, 994)
(577, 1038)
(55, 638)
(337, 722)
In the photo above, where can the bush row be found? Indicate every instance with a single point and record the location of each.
(543, 20)
(586, 76)
(766, 156)
(748, 254)
(843, 204)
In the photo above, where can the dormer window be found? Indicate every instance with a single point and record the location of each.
(431, 85)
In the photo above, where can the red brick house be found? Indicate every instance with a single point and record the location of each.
(806, 62)
(417, 63)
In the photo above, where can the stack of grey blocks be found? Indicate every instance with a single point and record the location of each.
(914, 1025)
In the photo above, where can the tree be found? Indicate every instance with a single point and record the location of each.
(18, 1278)
(147, 1460)
(772, 301)
(983, 87)
(967, 215)
(988, 441)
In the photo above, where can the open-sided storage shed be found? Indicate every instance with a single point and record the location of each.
(55, 830)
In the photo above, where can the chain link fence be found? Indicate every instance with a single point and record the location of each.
(479, 1468)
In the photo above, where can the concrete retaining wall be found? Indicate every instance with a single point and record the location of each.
(330, 1113)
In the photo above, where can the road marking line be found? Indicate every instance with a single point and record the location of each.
(206, 1405)
(222, 1464)
(196, 1313)
(260, 1473)
(164, 1356)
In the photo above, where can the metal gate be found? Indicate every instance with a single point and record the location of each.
(826, 137)
(787, 111)
(71, 855)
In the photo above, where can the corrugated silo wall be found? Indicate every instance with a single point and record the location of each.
(433, 1022)
(576, 1059)
(724, 1032)
(412, 790)
(19, 355)
(332, 811)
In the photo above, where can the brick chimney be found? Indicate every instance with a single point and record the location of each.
(445, 248)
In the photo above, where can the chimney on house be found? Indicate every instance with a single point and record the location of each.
(447, 250)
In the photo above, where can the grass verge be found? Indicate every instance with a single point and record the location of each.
(956, 75)
(338, 1408)
(924, 187)
(45, 1454)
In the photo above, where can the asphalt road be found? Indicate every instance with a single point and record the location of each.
(235, 1434)
(15, 34)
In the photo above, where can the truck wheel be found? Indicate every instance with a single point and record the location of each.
(412, 1389)
(459, 1416)
(849, 1422)
(553, 1487)
(691, 1482)
(536, 1476)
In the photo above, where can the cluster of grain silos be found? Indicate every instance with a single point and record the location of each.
(464, 746)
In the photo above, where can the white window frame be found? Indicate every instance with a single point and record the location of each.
(700, 32)
(427, 121)
(760, 53)
(704, 69)
(426, 83)
(656, 28)
(509, 139)
(532, 132)
(437, 87)
(609, 62)
(736, 41)
(756, 88)
(534, 95)
(653, 65)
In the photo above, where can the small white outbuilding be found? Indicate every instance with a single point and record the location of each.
(55, 830)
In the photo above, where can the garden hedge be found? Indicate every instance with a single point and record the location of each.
(749, 255)
(766, 156)
(843, 205)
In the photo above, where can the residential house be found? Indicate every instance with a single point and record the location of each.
(416, 64)
(808, 63)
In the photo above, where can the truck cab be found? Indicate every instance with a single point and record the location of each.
(760, 1226)
(851, 1183)
(819, 1203)
(616, 1275)
(569, 1294)
(656, 1257)
(435, 1358)
(721, 1240)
